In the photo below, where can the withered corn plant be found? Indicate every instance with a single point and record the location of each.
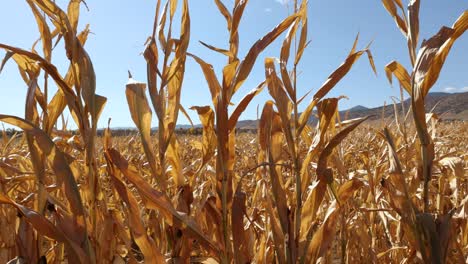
(66, 220)
(299, 237)
(429, 226)
(235, 72)
(335, 191)
(175, 228)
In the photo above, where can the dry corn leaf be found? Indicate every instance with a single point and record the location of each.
(73, 13)
(274, 153)
(237, 12)
(400, 73)
(210, 76)
(144, 242)
(158, 201)
(213, 48)
(327, 109)
(206, 115)
(240, 236)
(26, 242)
(433, 52)
(247, 64)
(323, 237)
(46, 228)
(240, 108)
(284, 57)
(141, 116)
(229, 72)
(413, 29)
(37, 158)
(46, 37)
(283, 103)
(392, 10)
(332, 80)
(225, 12)
(301, 46)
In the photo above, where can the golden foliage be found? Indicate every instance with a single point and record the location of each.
(289, 193)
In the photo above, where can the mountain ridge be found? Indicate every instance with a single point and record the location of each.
(449, 106)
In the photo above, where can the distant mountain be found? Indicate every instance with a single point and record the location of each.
(449, 106)
(247, 124)
(358, 108)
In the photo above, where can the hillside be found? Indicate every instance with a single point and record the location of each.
(449, 106)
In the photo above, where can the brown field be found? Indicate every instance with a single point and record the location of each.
(341, 191)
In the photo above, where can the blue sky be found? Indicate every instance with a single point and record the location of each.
(120, 29)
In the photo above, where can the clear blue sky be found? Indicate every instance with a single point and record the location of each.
(120, 29)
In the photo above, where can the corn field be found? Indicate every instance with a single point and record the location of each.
(339, 191)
